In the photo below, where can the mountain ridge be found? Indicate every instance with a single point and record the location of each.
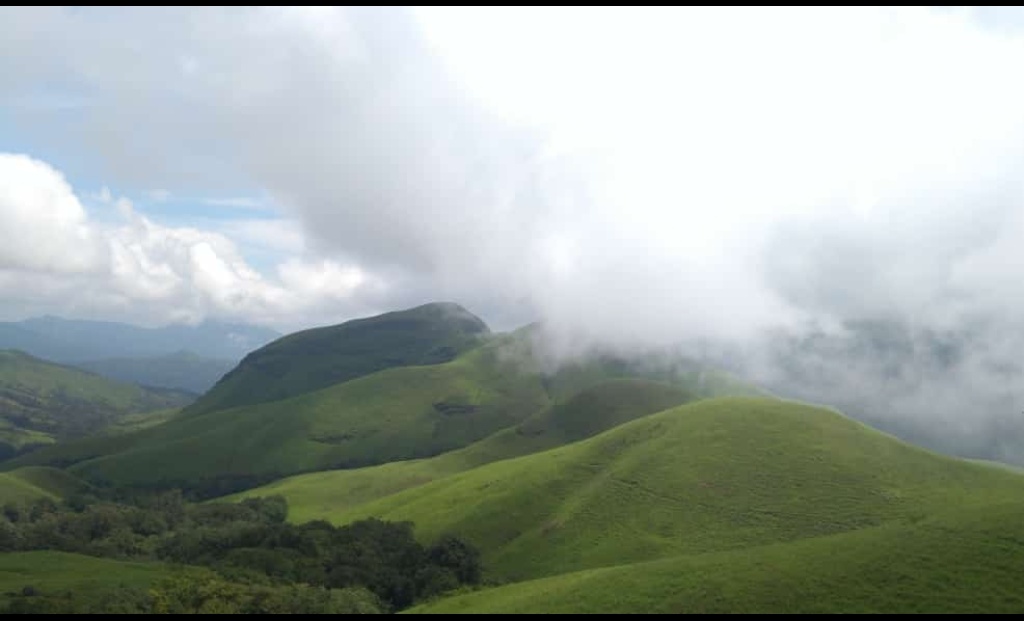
(319, 357)
(79, 340)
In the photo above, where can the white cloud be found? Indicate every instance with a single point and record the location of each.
(631, 176)
(280, 235)
(44, 226)
(159, 195)
(54, 257)
(243, 202)
(641, 174)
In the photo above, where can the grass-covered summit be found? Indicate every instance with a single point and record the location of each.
(312, 359)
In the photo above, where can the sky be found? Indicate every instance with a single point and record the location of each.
(631, 176)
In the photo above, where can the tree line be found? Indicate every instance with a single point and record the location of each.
(235, 557)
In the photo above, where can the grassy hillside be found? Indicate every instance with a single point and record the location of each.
(14, 489)
(59, 572)
(138, 422)
(44, 481)
(40, 401)
(709, 476)
(400, 413)
(182, 370)
(32, 482)
(964, 560)
(314, 359)
(320, 495)
(572, 376)
(601, 407)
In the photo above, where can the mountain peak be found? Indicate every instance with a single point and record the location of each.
(319, 357)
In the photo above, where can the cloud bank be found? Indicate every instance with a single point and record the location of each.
(630, 177)
(56, 256)
(697, 170)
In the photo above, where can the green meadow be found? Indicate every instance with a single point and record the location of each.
(955, 561)
(323, 495)
(708, 476)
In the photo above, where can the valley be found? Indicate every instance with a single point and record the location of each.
(601, 485)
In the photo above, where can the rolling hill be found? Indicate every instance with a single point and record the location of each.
(605, 485)
(957, 561)
(709, 476)
(320, 495)
(41, 401)
(91, 581)
(32, 482)
(399, 413)
(313, 359)
(574, 375)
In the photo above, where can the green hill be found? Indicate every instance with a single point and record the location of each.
(964, 560)
(710, 476)
(14, 488)
(143, 420)
(399, 413)
(182, 370)
(92, 581)
(33, 482)
(313, 359)
(41, 401)
(320, 495)
(601, 407)
(573, 376)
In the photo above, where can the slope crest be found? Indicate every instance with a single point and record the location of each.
(313, 359)
(707, 476)
(400, 413)
(318, 495)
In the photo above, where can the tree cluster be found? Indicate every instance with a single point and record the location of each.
(255, 560)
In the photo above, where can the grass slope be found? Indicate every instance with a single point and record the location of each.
(34, 482)
(40, 400)
(56, 572)
(14, 489)
(320, 495)
(313, 359)
(400, 413)
(962, 560)
(709, 476)
(143, 420)
(573, 376)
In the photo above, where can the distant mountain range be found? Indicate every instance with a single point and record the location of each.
(180, 357)
(181, 370)
(73, 341)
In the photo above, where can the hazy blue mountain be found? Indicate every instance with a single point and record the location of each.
(183, 370)
(76, 341)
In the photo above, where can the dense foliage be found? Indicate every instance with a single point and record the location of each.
(257, 562)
